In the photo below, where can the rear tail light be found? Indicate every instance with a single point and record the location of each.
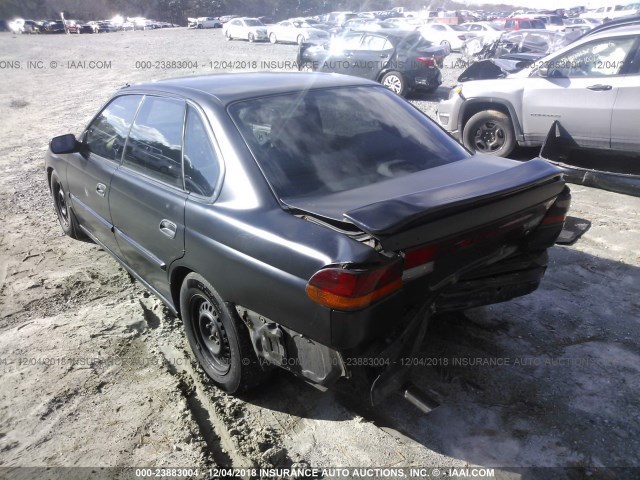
(428, 61)
(344, 289)
(558, 211)
(418, 261)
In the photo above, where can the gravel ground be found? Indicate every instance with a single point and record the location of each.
(95, 372)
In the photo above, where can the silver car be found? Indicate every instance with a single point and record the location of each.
(245, 28)
(296, 30)
(591, 87)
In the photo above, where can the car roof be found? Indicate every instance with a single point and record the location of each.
(230, 87)
(613, 31)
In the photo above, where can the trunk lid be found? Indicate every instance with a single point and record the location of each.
(439, 202)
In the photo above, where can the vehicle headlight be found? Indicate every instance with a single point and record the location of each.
(457, 90)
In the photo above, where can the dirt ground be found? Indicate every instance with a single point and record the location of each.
(95, 372)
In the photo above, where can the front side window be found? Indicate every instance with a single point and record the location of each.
(332, 140)
(107, 133)
(596, 59)
(154, 146)
(201, 164)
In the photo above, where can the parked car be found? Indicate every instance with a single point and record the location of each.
(204, 22)
(20, 25)
(581, 24)
(72, 26)
(524, 47)
(487, 31)
(450, 36)
(523, 23)
(245, 28)
(56, 26)
(90, 27)
(402, 61)
(591, 87)
(296, 30)
(105, 26)
(225, 18)
(312, 220)
(403, 23)
(552, 22)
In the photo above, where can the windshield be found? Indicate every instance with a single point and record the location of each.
(332, 140)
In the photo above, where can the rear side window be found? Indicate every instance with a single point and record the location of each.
(201, 164)
(106, 135)
(154, 146)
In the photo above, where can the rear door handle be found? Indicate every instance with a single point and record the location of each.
(101, 189)
(168, 228)
(599, 87)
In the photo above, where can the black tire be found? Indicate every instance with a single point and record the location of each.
(218, 338)
(65, 214)
(273, 39)
(490, 132)
(395, 82)
(251, 38)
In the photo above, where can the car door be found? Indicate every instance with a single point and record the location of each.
(340, 53)
(285, 32)
(89, 172)
(147, 192)
(578, 90)
(370, 57)
(625, 117)
(235, 28)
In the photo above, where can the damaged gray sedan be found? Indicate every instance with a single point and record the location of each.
(311, 221)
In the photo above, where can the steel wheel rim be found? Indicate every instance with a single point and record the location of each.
(490, 137)
(211, 335)
(393, 83)
(61, 205)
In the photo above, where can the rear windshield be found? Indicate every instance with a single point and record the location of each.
(332, 140)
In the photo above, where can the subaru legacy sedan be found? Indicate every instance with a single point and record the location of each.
(304, 220)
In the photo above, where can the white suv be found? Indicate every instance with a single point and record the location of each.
(591, 87)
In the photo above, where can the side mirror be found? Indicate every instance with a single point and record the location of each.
(543, 71)
(64, 144)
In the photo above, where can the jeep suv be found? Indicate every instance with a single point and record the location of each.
(591, 87)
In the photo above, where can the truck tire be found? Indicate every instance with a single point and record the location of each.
(490, 132)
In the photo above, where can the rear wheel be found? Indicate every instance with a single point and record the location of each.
(490, 132)
(218, 338)
(227, 35)
(394, 82)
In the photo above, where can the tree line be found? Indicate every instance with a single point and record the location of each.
(177, 11)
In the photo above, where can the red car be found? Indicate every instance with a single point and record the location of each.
(523, 23)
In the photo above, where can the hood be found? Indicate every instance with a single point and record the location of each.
(493, 68)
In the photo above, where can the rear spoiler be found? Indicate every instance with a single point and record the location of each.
(391, 220)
